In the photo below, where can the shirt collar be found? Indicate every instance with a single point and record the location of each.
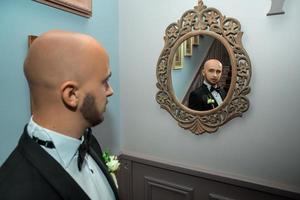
(207, 84)
(65, 146)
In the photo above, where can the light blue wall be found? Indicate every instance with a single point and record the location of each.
(21, 18)
(263, 146)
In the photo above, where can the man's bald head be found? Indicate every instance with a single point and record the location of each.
(62, 70)
(57, 56)
(212, 62)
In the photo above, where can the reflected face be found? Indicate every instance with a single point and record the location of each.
(212, 71)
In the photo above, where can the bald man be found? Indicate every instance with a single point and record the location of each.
(208, 95)
(57, 157)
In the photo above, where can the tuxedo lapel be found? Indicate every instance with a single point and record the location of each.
(103, 167)
(223, 94)
(209, 95)
(50, 169)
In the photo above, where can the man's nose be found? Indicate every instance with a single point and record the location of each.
(110, 91)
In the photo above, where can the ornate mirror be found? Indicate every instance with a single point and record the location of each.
(203, 38)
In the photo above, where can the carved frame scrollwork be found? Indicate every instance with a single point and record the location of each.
(207, 21)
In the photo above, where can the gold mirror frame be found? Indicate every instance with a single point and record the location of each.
(206, 21)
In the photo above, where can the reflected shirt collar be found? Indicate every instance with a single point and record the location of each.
(207, 85)
(65, 146)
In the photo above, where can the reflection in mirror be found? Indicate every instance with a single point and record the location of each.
(187, 75)
(201, 34)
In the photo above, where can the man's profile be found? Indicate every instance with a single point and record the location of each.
(209, 95)
(57, 156)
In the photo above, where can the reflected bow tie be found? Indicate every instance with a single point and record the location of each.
(84, 148)
(217, 89)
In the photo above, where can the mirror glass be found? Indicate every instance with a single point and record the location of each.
(187, 66)
(203, 41)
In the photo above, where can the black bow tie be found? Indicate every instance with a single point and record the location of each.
(217, 89)
(47, 143)
(84, 148)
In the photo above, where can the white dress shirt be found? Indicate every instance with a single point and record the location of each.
(215, 94)
(91, 178)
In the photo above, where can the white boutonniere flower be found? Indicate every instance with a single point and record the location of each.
(210, 101)
(112, 164)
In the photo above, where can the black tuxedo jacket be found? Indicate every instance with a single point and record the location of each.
(31, 173)
(198, 98)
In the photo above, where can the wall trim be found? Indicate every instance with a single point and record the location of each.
(150, 182)
(214, 177)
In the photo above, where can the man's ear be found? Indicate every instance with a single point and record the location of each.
(202, 71)
(70, 94)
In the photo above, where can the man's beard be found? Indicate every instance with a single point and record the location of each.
(213, 84)
(89, 111)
